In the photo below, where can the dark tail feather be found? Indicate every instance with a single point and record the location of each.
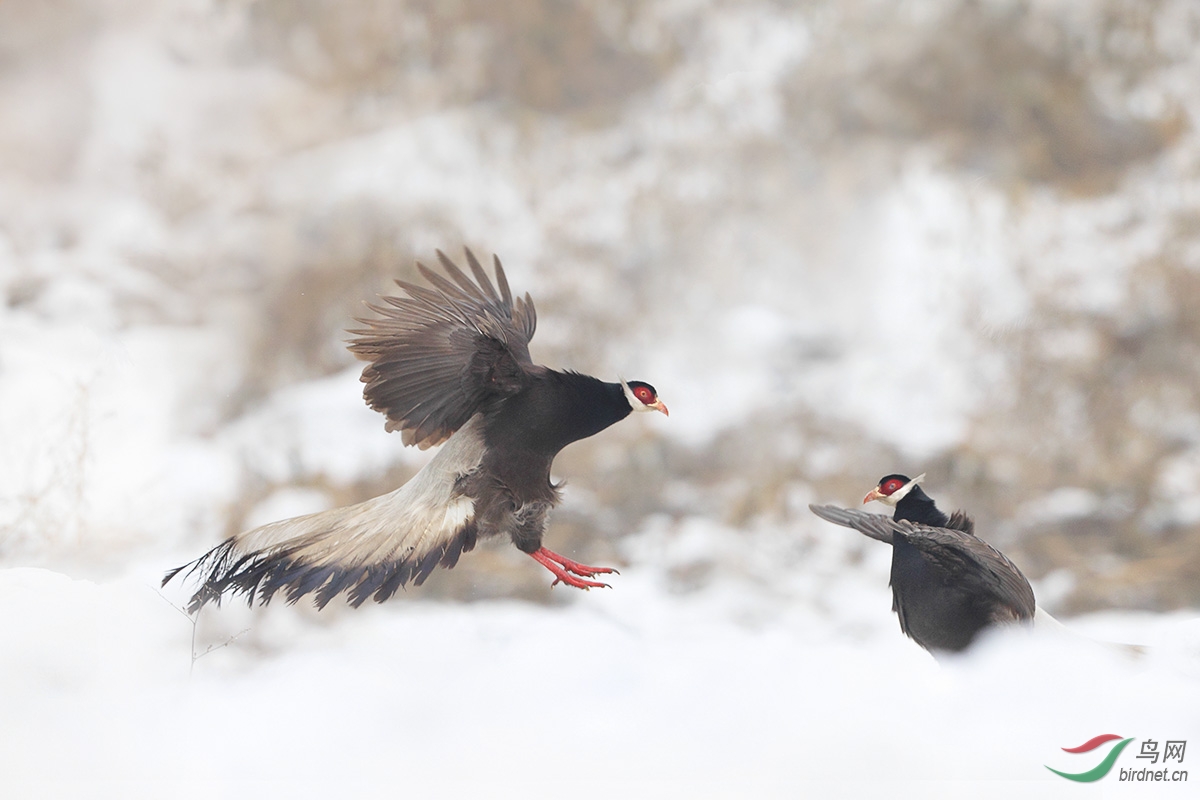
(262, 574)
(171, 573)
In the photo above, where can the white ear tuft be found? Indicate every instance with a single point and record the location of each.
(902, 492)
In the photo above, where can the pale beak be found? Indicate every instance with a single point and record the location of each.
(874, 494)
(659, 405)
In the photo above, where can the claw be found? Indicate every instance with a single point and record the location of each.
(565, 570)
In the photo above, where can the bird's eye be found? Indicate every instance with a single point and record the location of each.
(890, 487)
(644, 395)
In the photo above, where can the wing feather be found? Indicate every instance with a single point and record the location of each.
(876, 526)
(986, 568)
(440, 353)
(981, 567)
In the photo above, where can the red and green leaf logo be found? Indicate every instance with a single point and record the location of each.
(1100, 770)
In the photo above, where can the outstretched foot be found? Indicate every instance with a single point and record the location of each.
(566, 570)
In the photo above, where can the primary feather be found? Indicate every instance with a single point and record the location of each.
(437, 355)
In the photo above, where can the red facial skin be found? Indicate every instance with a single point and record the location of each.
(650, 400)
(885, 489)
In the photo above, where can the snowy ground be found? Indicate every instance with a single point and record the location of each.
(626, 692)
(168, 182)
(786, 673)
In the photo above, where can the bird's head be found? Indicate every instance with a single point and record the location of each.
(891, 489)
(642, 397)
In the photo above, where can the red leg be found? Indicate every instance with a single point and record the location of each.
(564, 567)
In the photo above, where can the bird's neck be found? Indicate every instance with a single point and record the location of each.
(562, 407)
(916, 506)
(589, 405)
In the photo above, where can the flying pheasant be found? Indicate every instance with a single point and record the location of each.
(448, 365)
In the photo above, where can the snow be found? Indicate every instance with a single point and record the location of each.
(305, 429)
(1065, 503)
(756, 657)
(628, 691)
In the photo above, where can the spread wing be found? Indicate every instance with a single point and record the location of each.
(876, 526)
(439, 354)
(975, 563)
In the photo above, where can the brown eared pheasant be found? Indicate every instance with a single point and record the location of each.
(947, 584)
(447, 365)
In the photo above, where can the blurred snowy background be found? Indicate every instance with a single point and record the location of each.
(841, 238)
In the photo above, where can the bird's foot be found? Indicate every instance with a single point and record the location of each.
(572, 573)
